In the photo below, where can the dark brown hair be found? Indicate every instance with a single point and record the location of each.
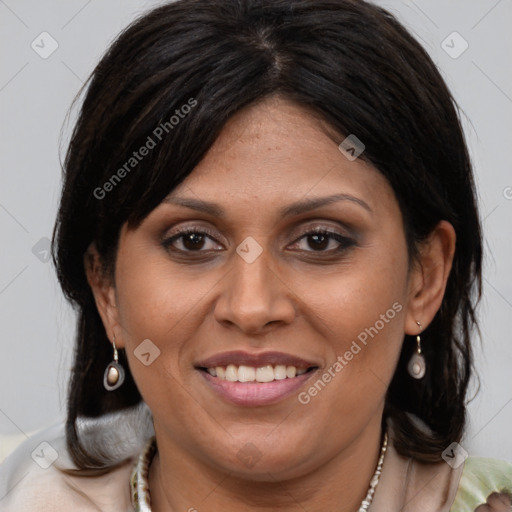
(350, 62)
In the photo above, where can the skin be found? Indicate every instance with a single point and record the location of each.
(496, 502)
(296, 297)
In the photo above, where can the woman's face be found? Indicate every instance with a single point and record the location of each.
(252, 277)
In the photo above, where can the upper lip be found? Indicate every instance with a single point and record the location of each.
(239, 357)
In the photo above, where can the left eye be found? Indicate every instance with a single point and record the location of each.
(323, 241)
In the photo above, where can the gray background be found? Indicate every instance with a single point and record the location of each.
(36, 325)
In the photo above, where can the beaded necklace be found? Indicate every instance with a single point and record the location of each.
(140, 487)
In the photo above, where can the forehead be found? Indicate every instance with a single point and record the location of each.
(277, 151)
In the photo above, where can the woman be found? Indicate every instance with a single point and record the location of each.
(269, 229)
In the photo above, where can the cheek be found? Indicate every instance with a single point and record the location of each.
(367, 294)
(153, 296)
(153, 304)
(360, 311)
(154, 311)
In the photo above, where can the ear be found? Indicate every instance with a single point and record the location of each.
(103, 289)
(429, 276)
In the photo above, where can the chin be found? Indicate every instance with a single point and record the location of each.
(265, 464)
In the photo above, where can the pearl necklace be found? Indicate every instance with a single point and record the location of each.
(140, 485)
(376, 476)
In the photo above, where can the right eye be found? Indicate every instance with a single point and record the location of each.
(190, 240)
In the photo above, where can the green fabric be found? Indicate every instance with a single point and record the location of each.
(480, 478)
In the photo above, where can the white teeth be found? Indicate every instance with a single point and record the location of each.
(246, 373)
(280, 372)
(265, 374)
(231, 373)
(291, 371)
(243, 373)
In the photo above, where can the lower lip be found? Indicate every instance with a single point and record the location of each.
(256, 393)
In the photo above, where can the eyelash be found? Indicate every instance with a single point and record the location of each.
(180, 233)
(344, 241)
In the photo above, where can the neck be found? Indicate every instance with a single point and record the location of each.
(179, 481)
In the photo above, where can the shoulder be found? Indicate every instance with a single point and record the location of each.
(32, 480)
(481, 478)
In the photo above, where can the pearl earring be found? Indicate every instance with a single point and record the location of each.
(417, 365)
(114, 372)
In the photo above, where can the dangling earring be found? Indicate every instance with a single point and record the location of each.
(114, 372)
(417, 365)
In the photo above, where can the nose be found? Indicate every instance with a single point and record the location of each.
(254, 296)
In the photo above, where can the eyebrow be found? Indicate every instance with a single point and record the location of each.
(296, 208)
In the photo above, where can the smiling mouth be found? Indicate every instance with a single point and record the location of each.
(260, 374)
(251, 379)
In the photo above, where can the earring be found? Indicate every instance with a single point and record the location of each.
(417, 365)
(114, 372)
